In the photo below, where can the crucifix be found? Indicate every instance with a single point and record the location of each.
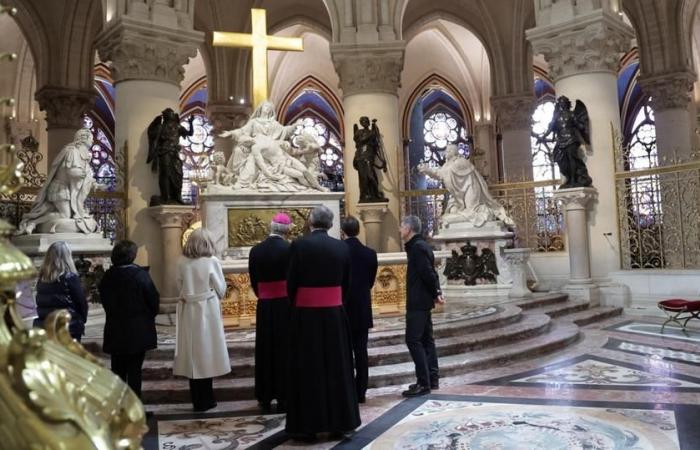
(260, 42)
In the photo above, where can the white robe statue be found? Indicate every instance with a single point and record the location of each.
(60, 204)
(261, 159)
(470, 200)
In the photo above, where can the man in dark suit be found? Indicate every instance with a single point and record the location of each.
(422, 292)
(363, 263)
(267, 266)
(321, 393)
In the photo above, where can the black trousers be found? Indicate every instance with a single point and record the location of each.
(202, 393)
(359, 350)
(128, 368)
(419, 339)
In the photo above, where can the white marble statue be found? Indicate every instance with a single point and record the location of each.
(261, 160)
(470, 200)
(60, 204)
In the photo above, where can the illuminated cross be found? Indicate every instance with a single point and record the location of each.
(260, 42)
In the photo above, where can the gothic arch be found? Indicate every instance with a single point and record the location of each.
(312, 83)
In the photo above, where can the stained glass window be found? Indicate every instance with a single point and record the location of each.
(439, 130)
(102, 160)
(331, 156)
(549, 220)
(195, 154)
(642, 154)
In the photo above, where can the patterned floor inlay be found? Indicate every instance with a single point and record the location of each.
(666, 353)
(653, 329)
(594, 372)
(484, 423)
(215, 431)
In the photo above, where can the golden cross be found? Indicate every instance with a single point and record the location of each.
(260, 42)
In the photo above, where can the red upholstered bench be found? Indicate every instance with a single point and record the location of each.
(680, 311)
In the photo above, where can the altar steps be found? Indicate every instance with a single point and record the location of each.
(592, 315)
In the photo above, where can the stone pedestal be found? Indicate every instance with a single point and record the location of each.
(36, 245)
(170, 218)
(517, 259)
(576, 202)
(372, 216)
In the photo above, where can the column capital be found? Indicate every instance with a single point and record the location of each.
(369, 68)
(584, 43)
(669, 90)
(227, 116)
(65, 107)
(143, 50)
(514, 112)
(170, 216)
(576, 198)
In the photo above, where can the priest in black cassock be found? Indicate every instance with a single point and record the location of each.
(321, 391)
(267, 266)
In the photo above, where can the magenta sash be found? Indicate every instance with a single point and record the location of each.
(319, 297)
(272, 289)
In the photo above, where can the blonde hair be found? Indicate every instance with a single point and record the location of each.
(57, 261)
(200, 244)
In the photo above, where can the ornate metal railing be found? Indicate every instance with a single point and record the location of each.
(538, 218)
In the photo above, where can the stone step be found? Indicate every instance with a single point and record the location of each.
(592, 315)
(540, 300)
(561, 309)
(229, 389)
(446, 325)
(531, 325)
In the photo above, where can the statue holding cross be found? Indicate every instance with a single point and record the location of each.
(260, 42)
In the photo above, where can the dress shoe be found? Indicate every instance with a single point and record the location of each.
(205, 408)
(434, 385)
(415, 390)
(342, 435)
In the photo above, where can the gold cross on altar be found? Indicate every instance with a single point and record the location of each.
(260, 42)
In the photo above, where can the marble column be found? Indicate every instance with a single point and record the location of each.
(148, 59)
(171, 219)
(372, 216)
(576, 202)
(369, 77)
(583, 53)
(514, 114)
(486, 159)
(226, 116)
(64, 109)
(675, 125)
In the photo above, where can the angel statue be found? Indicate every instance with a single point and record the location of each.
(469, 197)
(571, 130)
(369, 156)
(164, 135)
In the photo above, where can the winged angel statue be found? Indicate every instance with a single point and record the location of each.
(571, 130)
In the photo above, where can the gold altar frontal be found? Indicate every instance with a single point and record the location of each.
(388, 295)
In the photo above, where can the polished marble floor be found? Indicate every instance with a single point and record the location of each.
(618, 387)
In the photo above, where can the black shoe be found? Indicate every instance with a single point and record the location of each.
(415, 390)
(434, 385)
(205, 408)
(342, 435)
(265, 407)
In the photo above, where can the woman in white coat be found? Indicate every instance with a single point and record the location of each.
(200, 347)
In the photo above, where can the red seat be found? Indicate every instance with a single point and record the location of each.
(678, 309)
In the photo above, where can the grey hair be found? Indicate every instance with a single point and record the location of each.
(279, 228)
(57, 261)
(321, 217)
(413, 223)
(200, 244)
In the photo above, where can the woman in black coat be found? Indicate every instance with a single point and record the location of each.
(130, 301)
(59, 288)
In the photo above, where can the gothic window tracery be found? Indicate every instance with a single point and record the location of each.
(331, 156)
(440, 129)
(102, 150)
(195, 153)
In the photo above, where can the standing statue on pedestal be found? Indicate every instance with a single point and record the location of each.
(60, 204)
(571, 130)
(470, 200)
(369, 156)
(164, 135)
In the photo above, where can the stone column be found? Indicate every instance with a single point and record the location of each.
(485, 143)
(576, 202)
(64, 109)
(226, 116)
(147, 65)
(583, 49)
(171, 219)
(675, 127)
(372, 216)
(517, 259)
(514, 114)
(369, 77)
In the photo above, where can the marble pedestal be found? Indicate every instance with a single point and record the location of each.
(372, 216)
(79, 243)
(517, 259)
(171, 219)
(493, 235)
(576, 202)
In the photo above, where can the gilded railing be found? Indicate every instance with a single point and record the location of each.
(538, 218)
